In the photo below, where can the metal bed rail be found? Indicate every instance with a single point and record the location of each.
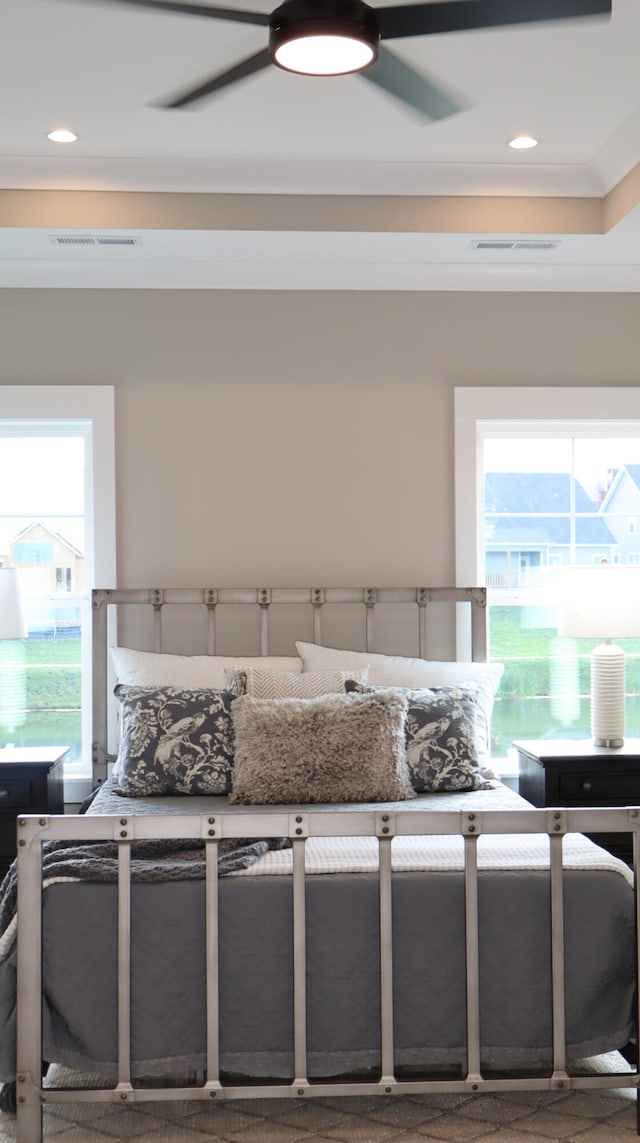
(298, 825)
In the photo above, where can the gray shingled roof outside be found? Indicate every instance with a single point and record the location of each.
(634, 472)
(541, 492)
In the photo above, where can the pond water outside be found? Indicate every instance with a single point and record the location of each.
(515, 718)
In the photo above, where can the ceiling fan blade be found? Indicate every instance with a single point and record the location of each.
(242, 16)
(397, 78)
(469, 15)
(240, 70)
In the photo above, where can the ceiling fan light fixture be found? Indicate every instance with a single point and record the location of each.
(324, 55)
(343, 38)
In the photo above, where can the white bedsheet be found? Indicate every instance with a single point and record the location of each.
(505, 851)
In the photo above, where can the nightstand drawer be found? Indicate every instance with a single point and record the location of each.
(610, 786)
(14, 793)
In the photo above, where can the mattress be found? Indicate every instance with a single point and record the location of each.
(343, 969)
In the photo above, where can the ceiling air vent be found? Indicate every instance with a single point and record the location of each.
(86, 240)
(513, 244)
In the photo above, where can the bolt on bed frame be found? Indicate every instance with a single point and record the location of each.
(298, 824)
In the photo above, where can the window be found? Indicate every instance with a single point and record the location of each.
(57, 526)
(534, 493)
(63, 579)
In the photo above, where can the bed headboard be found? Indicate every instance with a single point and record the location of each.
(303, 613)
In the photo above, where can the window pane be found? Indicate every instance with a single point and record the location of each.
(550, 501)
(42, 532)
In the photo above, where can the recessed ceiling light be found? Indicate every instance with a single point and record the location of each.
(61, 135)
(523, 142)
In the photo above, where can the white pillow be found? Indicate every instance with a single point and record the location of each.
(159, 669)
(289, 684)
(398, 671)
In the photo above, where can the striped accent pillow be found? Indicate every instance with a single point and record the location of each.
(288, 684)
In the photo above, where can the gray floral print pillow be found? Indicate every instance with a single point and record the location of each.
(440, 739)
(174, 741)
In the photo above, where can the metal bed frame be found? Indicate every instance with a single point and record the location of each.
(298, 825)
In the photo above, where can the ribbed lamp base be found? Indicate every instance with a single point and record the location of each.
(607, 695)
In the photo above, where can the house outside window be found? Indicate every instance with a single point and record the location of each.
(57, 526)
(534, 494)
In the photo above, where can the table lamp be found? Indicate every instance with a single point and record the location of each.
(603, 602)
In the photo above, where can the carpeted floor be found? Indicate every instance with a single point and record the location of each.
(604, 1116)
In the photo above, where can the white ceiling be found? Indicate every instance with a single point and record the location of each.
(98, 68)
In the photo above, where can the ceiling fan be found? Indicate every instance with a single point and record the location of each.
(338, 37)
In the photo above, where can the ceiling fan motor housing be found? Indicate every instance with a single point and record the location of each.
(296, 19)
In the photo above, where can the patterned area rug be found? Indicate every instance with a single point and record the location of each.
(604, 1116)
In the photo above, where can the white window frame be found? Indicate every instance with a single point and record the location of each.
(92, 404)
(520, 410)
(548, 410)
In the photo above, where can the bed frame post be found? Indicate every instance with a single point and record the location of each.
(264, 600)
(471, 830)
(210, 596)
(317, 600)
(557, 827)
(29, 987)
(212, 924)
(124, 960)
(478, 598)
(370, 598)
(300, 1081)
(100, 666)
(385, 837)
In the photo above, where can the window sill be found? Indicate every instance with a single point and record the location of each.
(76, 789)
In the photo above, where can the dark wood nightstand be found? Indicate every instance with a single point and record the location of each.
(31, 782)
(574, 772)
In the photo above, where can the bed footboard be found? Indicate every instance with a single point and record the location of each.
(299, 825)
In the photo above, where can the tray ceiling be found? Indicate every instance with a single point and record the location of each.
(284, 181)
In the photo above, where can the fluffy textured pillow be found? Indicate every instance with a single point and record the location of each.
(286, 684)
(158, 669)
(398, 671)
(175, 741)
(336, 748)
(439, 734)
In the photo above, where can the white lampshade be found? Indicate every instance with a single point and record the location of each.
(603, 602)
(600, 602)
(12, 621)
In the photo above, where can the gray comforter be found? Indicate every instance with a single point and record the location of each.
(168, 860)
(343, 991)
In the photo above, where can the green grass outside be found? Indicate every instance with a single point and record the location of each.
(531, 653)
(40, 693)
(40, 674)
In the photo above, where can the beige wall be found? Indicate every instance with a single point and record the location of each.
(290, 438)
